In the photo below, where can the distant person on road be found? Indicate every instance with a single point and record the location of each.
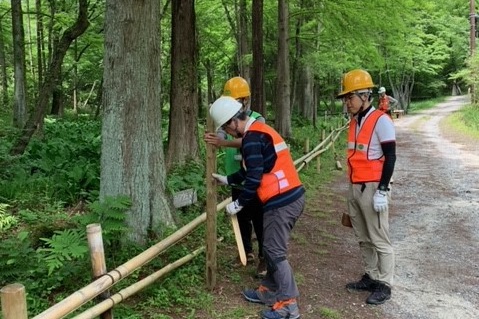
(386, 103)
(251, 216)
(371, 159)
(268, 172)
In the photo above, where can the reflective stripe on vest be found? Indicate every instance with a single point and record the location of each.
(361, 168)
(284, 176)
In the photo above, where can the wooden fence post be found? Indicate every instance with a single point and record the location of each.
(98, 264)
(210, 210)
(306, 146)
(14, 302)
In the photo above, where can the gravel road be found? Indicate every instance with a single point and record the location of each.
(435, 219)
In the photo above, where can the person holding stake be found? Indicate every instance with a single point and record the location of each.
(371, 158)
(251, 216)
(268, 172)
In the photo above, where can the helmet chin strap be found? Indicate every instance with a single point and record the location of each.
(237, 133)
(362, 106)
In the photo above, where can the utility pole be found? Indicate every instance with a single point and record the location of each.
(472, 34)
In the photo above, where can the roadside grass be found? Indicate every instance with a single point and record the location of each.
(425, 105)
(464, 122)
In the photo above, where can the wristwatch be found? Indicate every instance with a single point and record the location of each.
(383, 188)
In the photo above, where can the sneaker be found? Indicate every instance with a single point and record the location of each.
(250, 258)
(284, 309)
(380, 294)
(365, 284)
(261, 269)
(261, 295)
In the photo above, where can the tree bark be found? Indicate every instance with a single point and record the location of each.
(183, 128)
(20, 87)
(132, 159)
(3, 64)
(283, 88)
(258, 101)
(59, 52)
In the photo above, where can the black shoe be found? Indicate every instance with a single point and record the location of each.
(380, 294)
(365, 284)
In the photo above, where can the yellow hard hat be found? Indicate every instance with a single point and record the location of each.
(356, 80)
(237, 88)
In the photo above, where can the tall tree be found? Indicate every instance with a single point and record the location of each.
(258, 100)
(61, 48)
(132, 160)
(283, 85)
(20, 87)
(184, 90)
(3, 65)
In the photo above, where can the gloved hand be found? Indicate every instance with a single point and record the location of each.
(380, 201)
(233, 208)
(221, 179)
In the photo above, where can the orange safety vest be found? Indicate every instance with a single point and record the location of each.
(283, 176)
(361, 168)
(383, 103)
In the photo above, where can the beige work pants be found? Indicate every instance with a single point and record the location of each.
(372, 232)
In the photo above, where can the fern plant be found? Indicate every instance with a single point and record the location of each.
(111, 215)
(6, 221)
(65, 245)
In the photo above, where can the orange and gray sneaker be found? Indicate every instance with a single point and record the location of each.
(261, 295)
(284, 309)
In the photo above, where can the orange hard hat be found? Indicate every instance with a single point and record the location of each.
(237, 88)
(356, 80)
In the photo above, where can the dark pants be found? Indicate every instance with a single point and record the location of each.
(249, 218)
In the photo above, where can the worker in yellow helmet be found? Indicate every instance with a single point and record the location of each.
(371, 158)
(251, 216)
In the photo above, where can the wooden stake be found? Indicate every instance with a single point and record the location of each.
(239, 239)
(97, 256)
(210, 210)
(14, 302)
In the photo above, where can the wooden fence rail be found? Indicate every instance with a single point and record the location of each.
(13, 299)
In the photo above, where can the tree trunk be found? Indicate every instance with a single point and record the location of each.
(184, 90)
(258, 101)
(3, 64)
(20, 95)
(243, 40)
(52, 75)
(283, 107)
(40, 45)
(305, 91)
(132, 160)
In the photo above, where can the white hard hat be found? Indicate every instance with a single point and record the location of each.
(382, 89)
(223, 109)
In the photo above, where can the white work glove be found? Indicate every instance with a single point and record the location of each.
(233, 208)
(221, 179)
(380, 201)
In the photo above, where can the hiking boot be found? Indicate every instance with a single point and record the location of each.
(249, 258)
(284, 309)
(365, 284)
(261, 269)
(380, 294)
(261, 295)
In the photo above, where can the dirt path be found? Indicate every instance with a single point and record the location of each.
(435, 218)
(434, 229)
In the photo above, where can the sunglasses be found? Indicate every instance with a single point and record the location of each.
(224, 126)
